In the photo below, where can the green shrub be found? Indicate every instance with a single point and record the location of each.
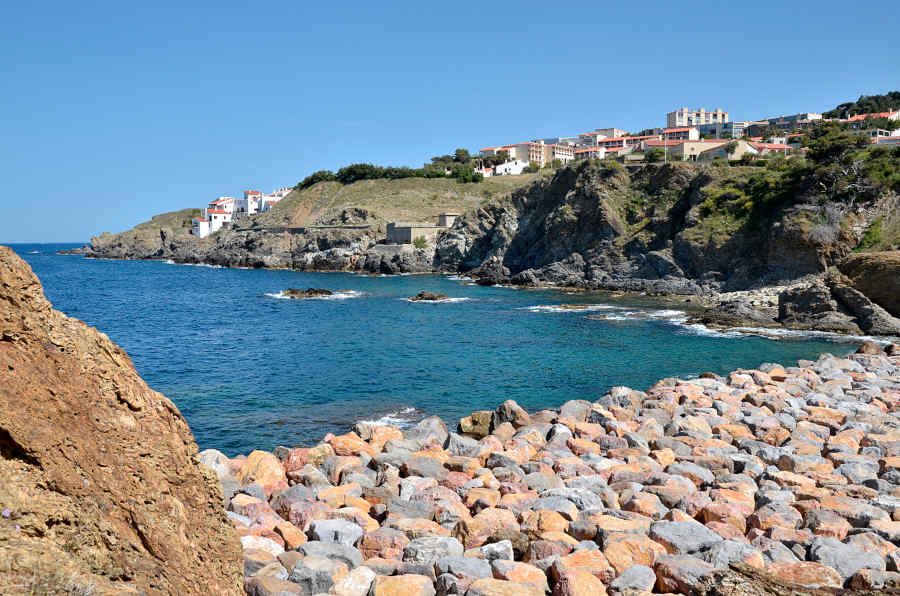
(420, 242)
(872, 236)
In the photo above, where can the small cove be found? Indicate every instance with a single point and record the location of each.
(249, 370)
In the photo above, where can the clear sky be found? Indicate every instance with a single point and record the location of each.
(114, 111)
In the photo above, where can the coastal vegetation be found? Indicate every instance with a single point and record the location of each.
(459, 166)
(866, 104)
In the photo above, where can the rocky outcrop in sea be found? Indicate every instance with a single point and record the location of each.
(100, 487)
(780, 479)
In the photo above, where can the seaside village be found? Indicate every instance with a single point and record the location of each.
(689, 135)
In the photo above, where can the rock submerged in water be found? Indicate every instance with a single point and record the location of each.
(773, 477)
(424, 296)
(307, 293)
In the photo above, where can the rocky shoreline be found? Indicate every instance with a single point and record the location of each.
(789, 474)
(654, 231)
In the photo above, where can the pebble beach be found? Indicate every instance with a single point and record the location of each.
(793, 470)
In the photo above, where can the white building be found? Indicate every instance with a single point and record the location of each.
(590, 153)
(611, 132)
(685, 117)
(216, 214)
(685, 133)
(248, 205)
(510, 168)
(200, 227)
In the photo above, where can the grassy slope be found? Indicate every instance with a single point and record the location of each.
(172, 219)
(415, 199)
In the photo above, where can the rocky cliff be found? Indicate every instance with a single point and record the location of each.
(877, 275)
(100, 487)
(678, 228)
(327, 227)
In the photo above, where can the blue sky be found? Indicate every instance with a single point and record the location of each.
(113, 112)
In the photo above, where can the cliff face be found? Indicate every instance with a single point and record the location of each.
(877, 275)
(678, 228)
(100, 488)
(329, 226)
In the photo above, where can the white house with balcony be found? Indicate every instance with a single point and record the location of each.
(249, 204)
(217, 214)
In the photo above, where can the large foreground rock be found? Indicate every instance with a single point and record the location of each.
(99, 482)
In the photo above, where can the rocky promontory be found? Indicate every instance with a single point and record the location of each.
(709, 232)
(101, 491)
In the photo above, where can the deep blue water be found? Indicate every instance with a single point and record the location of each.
(249, 370)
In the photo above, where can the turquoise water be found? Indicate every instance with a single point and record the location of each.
(249, 370)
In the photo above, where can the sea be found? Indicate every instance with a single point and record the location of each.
(250, 369)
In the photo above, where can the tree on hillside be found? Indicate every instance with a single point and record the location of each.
(462, 156)
(866, 104)
(831, 143)
(315, 178)
(654, 155)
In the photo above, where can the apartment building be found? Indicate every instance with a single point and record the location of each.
(611, 132)
(686, 117)
(684, 133)
(723, 130)
(794, 120)
(590, 153)
(540, 153)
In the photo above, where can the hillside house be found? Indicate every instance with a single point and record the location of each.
(217, 214)
(249, 204)
(721, 151)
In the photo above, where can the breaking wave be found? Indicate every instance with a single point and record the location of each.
(401, 418)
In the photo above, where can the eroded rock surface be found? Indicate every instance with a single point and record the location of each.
(100, 487)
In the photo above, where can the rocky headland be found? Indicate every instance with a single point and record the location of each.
(757, 246)
(101, 490)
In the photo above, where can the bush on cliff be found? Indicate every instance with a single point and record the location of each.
(463, 172)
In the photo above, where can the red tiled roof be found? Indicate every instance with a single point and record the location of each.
(589, 149)
(666, 143)
(217, 211)
(872, 115)
(770, 146)
(252, 192)
(682, 129)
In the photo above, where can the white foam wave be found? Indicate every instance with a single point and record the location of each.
(171, 262)
(441, 301)
(337, 295)
(780, 333)
(569, 308)
(401, 418)
(460, 278)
